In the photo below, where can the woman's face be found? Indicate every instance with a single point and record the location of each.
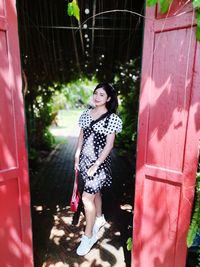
(100, 97)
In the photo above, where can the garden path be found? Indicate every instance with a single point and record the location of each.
(57, 231)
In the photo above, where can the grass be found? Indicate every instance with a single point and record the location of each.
(67, 118)
(67, 125)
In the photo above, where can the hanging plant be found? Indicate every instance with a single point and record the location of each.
(165, 4)
(73, 10)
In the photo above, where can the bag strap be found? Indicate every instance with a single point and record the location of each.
(75, 183)
(100, 118)
(107, 120)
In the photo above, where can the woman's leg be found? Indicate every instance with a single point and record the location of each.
(90, 212)
(98, 204)
(100, 220)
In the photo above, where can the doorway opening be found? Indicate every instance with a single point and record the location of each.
(59, 62)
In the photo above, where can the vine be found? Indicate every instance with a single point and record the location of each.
(73, 10)
(165, 4)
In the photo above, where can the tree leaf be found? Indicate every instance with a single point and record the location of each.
(73, 10)
(70, 10)
(76, 11)
(198, 38)
(151, 2)
(164, 5)
(129, 244)
(198, 33)
(191, 235)
(196, 3)
(198, 18)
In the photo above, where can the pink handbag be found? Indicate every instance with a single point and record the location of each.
(75, 194)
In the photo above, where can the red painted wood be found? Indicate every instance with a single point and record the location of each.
(168, 139)
(15, 219)
(176, 7)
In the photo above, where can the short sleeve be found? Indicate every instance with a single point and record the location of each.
(114, 124)
(84, 119)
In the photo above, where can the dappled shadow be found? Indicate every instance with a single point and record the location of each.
(57, 231)
(121, 216)
(168, 136)
(58, 240)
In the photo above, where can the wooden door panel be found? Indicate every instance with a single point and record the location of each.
(175, 8)
(190, 162)
(15, 220)
(7, 125)
(168, 138)
(10, 227)
(2, 7)
(168, 106)
(159, 224)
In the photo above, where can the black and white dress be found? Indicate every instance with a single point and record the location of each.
(94, 141)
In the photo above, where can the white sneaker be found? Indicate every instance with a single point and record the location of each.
(99, 222)
(86, 244)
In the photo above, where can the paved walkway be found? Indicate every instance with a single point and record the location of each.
(57, 231)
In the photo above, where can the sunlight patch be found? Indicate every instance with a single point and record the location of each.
(56, 235)
(126, 207)
(38, 208)
(57, 264)
(117, 233)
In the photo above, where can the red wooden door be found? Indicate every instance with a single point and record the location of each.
(168, 137)
(15, 223)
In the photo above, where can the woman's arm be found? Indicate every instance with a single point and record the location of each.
(103, 155)
(78, 149)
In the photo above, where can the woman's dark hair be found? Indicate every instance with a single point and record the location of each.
(111, 105)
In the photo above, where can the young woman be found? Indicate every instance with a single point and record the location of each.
(98, 128)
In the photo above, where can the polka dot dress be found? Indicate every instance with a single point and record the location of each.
(94, 141)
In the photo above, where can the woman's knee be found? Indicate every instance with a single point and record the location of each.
(87, 199)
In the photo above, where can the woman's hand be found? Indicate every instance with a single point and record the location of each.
(91, 171)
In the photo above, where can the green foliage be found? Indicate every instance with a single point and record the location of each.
(196, 3)
(127, 81)
(58, 101)
(151, 2)
(195, 222)
(164, 6)
(198, 24)
(129, 244)
(73, 10)
(33, 153)
(38, 115)
(78, 92)
(194, 229)
(43, 103)
(43, 118)
(48, 139)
